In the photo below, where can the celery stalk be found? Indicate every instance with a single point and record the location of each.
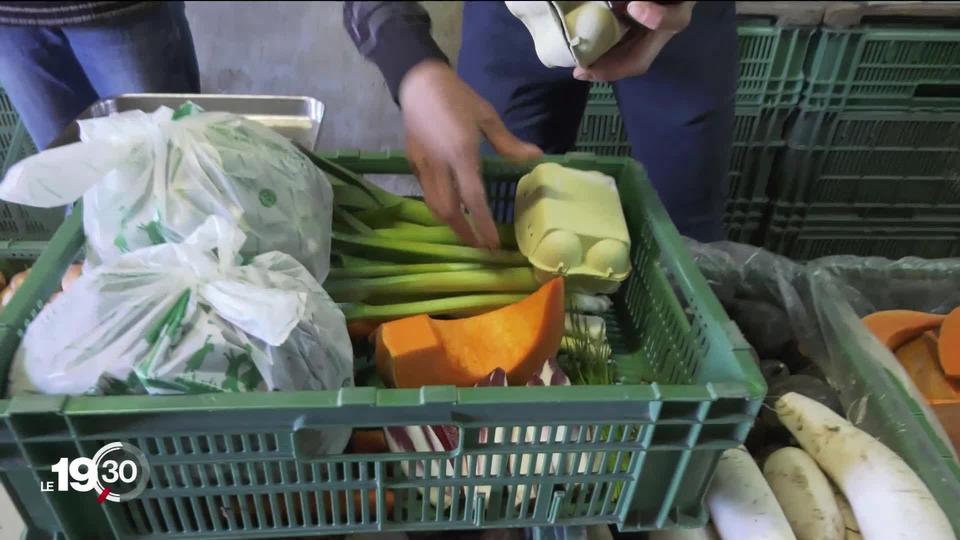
(406, 225)
(419, 252)
(471, 281)
(440, 234)
(456, 305)
(370, 269)
(411, 210)
(352, 223)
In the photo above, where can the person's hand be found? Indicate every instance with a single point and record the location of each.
(637, 50)
(444, 120)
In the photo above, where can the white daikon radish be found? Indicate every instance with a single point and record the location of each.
(741, 504)
(589, 303)
(887, 497)
(804, 495)
(849, 520)
(705, 533)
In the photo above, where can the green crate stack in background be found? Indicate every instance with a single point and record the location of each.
(872, 161)
(769, 87)
(19, 223)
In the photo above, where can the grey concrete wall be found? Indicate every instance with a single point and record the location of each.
(301, 48)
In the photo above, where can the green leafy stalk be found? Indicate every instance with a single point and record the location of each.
(439, 283)
(587, 358)
(441, 234)
(369, 269)
(456, 305)
(351, 222)
(400, 209)
(408, 209)
(405, 251)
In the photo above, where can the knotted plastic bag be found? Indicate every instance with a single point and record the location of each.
(149, 178)
(190, 317)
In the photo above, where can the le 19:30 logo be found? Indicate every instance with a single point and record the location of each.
(118, 472)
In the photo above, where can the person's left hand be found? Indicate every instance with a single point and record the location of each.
(637, 50)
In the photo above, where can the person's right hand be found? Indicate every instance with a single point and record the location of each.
(444, 120)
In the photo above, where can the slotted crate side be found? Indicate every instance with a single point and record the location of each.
(877, 67)
(602, 132)
(638, 455)
(20, 146)
(758, 136)
(889, 215)
(871, 158)
(743, 225)
(770, 65)
(20, 222)
(810, 242)
(9, 121)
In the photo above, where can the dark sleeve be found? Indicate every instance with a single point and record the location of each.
(393, 35)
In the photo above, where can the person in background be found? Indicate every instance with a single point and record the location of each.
(61, 57)
(674, 80)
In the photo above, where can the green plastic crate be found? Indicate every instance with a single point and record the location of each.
(771, 65)
(21, 222)
(602, 132)
(811, 241)
(744, 225)
(871, 158)
(20, 146)
(239, 465)
(9, 122)
(878, 67)
(758, 137)
(911, 436)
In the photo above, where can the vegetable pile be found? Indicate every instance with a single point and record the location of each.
(928, 347)
(805, 471)
(437, 312)
(400, 275)
(793, 498)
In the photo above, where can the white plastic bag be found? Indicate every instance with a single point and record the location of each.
(188, 317)
(150, 178)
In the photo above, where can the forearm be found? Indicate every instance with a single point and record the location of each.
(393, 35)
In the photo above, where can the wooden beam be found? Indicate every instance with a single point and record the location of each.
(785, 13)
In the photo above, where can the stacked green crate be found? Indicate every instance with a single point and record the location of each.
(872, 163)
(19, 222)
(769, 86)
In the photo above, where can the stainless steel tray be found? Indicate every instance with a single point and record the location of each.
(296, 117)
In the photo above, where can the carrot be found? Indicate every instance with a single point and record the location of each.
(368, 441)
(948, 345)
